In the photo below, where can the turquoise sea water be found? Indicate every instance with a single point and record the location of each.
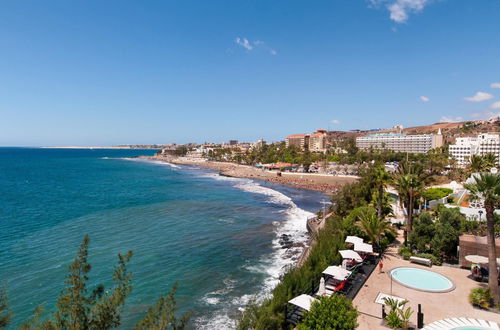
(216, 236)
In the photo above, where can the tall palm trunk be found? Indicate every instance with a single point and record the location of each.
(492, 258)
(380, 200)
(409, 222)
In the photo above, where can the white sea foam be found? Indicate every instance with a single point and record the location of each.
(273, 265)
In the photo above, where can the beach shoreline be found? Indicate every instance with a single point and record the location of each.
(325, 183)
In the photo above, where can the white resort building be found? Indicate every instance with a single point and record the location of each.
(401, 142)
(483, 144)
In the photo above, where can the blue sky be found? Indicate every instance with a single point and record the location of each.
(118, 72)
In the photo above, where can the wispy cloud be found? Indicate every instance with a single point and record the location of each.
(400, 10)
(424, 99)
(479, 96)
(447, 119)
(243, 42)
(335, 121)
(495, 85)
(495, 105)
(249, 45)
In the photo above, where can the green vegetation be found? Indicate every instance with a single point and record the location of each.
(481, 297)
(479, 164)
(398, 316)
(352, 215)
(487, 187)
(436, 238)
(80, 307)
(181, 151)
(335, 312)
(436, 193)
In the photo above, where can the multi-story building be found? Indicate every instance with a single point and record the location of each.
(317, 141)
(465, 147)
(299, 140)
(401, 142)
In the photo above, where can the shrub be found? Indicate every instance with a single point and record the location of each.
(406, 255)
(435, 260)
(403, 250)
(384, 243)
(480, 297)
(335, 312)
(390, 235)
(436, 193)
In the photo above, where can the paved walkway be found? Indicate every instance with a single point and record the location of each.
(435, 306)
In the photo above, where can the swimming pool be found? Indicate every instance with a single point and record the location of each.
(421, 279)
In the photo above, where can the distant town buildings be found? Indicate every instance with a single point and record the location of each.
(401, 142)
(258, 144)
(465, 147)
(298, 140)
(315, 142)
(233, 142)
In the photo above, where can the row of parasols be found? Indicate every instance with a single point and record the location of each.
(337, 276)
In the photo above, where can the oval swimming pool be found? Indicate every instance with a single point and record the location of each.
(421, 279)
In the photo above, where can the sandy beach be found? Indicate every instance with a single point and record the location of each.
(325, 183)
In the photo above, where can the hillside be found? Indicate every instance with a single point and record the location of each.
(450, 131)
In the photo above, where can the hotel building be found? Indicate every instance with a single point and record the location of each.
(401, 142)
(299, 140)
(483, 144)
(317, 141)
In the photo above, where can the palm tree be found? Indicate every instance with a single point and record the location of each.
(381, 178)
(487, 188)
(476, 164)
(489, 161)
(408, 187)
(373, 226)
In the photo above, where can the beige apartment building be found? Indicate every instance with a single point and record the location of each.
(317, 141)
(401, 142)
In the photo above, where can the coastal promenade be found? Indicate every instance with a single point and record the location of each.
(325, 183)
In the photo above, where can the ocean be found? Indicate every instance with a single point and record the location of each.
(218, 237)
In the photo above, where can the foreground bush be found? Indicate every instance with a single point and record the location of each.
(81, 307)
(480, 297)
(335, 312)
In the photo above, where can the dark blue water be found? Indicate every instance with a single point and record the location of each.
(216, 236)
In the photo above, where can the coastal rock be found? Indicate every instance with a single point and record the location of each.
(286, 241)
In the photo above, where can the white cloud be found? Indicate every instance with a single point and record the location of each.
(243, 42)
(479, 96)
(248, 45)
(400, 10)
(495, 85)
(424, 99)
(495, 105)
(335, 121)
(446, 119)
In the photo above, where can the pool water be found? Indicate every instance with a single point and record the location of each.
(421, 279)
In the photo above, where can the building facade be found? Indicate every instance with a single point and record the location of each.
(465, 147)
(317, 141)
(298, 140)
(401, 142)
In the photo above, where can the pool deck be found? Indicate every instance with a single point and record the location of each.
(435, 306)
